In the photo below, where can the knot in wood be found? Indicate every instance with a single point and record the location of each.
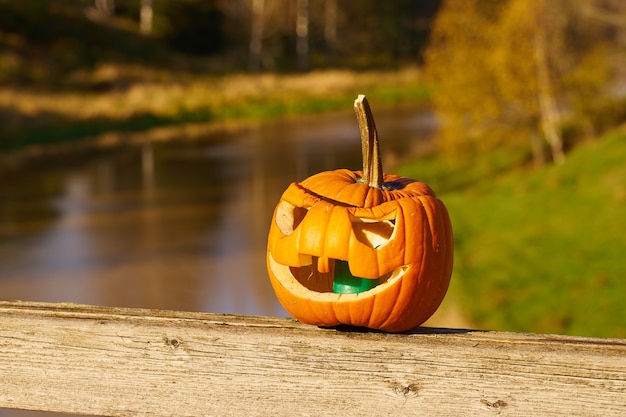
(407, 391)
(496, 405)
(172, 343)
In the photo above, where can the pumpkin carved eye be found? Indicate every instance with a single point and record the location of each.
(374, 233)
(288, 217)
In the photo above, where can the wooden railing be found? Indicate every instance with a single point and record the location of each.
(131, 362)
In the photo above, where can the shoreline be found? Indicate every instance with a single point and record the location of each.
(186, 132)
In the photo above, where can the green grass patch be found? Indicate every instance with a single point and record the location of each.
(67, 132)
(541, 250)
(445, 174)
(164, 99)
(272, 107)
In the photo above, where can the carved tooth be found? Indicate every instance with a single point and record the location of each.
(323, 265)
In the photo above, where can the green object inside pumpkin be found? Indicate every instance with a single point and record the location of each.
(346, 283)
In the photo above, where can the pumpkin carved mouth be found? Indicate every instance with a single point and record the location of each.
(338, 279)
(307, 281)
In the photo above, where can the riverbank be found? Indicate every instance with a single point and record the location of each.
(159, 105)
(163, 99)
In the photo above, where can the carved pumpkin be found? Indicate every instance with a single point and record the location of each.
(360, 248)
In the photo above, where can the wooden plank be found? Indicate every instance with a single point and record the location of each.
(131, 362)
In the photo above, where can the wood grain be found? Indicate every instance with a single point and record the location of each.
(132, 362)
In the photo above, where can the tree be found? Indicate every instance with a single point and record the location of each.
(145, 17)
(503, 70)
(458, 64)
(256, 34)
(330, 27)
(530, 54)
(106, 7)
(302, 34)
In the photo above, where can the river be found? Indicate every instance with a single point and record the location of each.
(174, 225)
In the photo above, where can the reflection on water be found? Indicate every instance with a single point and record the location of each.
(172, 225)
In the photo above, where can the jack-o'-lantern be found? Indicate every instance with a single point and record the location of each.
(360, 248)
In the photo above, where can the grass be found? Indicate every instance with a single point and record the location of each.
(540, 250)
(163, 97)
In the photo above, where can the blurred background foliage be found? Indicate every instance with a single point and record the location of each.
(534, 74)
(78, 68)
(83, 33)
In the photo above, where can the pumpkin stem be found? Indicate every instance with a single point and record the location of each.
(372, 165)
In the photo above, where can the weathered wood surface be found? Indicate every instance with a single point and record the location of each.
(131, 362)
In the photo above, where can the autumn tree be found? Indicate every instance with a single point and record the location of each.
(529, 54)
(459, 65)
(504, 70)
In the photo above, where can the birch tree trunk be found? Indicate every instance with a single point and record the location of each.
(106, 7)
(256, 35)
(330, 28)
(547, 107)
(145, 17)
(302, 35)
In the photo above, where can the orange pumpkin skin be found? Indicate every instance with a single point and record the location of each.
(400, 232)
